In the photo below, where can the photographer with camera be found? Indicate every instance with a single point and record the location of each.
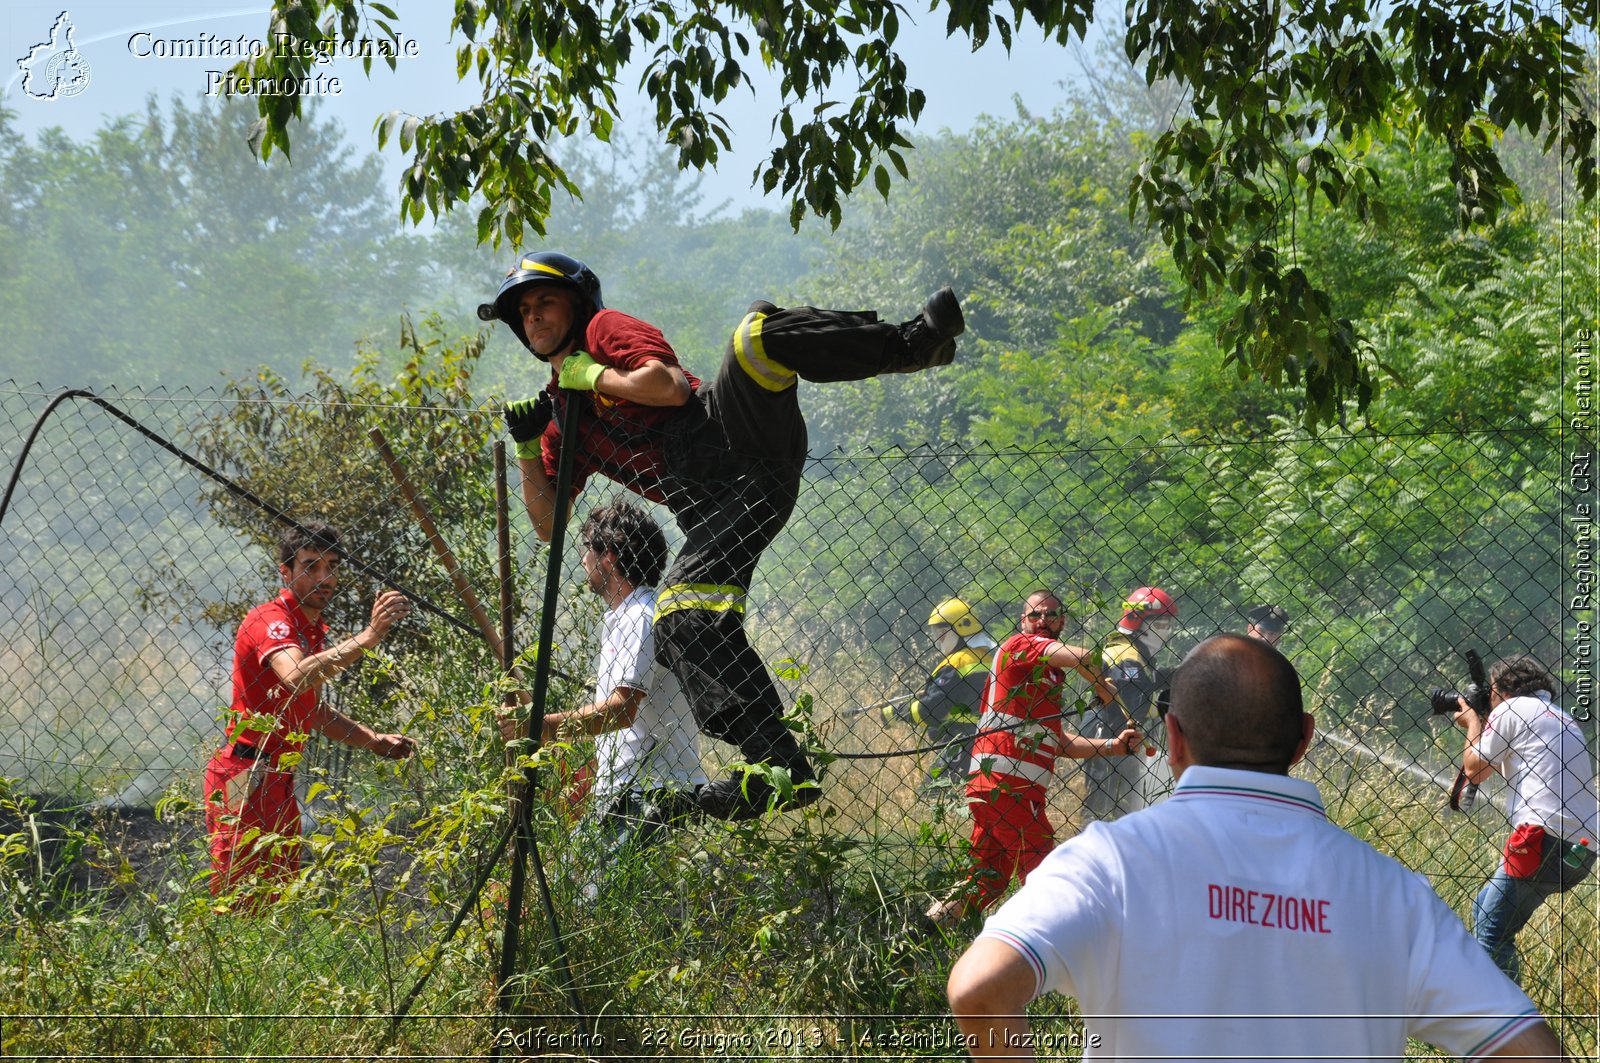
(1541, 752)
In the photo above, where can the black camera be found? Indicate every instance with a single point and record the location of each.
(1445, 701)
(1476, 695)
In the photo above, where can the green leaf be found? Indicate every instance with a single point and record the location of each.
(385, 126)
(258, 138)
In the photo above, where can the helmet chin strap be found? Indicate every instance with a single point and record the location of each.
(1151, 636)
(566, 342)
(569, 342)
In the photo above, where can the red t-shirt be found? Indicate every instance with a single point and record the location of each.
(619, 439)
(268, 628)
(1022, 686)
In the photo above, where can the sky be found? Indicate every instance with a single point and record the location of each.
(120, 62)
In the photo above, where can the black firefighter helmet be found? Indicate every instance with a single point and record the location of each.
(543, 267)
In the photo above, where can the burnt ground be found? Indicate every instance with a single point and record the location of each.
(75, 854)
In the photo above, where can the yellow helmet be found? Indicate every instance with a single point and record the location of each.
(958, 614)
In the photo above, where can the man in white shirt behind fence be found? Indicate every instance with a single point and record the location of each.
(647, 759)
(1233, 920)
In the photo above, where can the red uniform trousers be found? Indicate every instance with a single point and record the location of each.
(247, 801)
(1010, 835)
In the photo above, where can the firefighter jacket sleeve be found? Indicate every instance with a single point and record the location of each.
(953, 697)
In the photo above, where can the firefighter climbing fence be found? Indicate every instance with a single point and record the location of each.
(125, 569)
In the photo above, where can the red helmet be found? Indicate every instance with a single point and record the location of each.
(1145, 603)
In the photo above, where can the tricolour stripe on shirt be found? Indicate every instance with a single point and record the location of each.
(1025, 950)
(1271, 796)
(1509, 1029)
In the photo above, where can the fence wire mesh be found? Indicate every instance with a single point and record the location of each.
(126, 572)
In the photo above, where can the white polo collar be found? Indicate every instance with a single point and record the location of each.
(1201, 782)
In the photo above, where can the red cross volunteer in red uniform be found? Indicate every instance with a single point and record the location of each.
(1233, 921)
(1012, 764)
(280, 662)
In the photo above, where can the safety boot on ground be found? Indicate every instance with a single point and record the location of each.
(930, 336)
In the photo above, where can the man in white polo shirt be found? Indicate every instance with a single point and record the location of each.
(1543, 755)
(1234, 921)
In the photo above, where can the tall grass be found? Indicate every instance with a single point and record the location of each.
(780, 939)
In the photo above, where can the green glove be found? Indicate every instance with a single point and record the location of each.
(580, 372)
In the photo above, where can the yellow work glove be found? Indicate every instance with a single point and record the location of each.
(580, 372)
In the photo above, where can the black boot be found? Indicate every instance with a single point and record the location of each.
(743, 795)
(930, 337)
(738, 797)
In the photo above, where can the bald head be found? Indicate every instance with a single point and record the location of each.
(1237, 701)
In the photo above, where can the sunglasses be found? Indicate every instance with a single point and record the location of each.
(1042, 614)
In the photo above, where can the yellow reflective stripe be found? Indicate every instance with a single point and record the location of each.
(712, 597)
(752, 355)
(965, 661)
(916, 712)
(725, 589)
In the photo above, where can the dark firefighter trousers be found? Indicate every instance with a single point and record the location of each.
(736, 467)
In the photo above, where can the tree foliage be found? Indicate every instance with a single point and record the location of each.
(1289, 100)
(1024, 217)
(1286, 100)
(312, 455)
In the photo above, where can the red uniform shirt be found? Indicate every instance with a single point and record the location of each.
(619, 439)
(268, 628)
(1022, 686)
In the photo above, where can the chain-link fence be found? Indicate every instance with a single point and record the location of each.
(140, 531)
